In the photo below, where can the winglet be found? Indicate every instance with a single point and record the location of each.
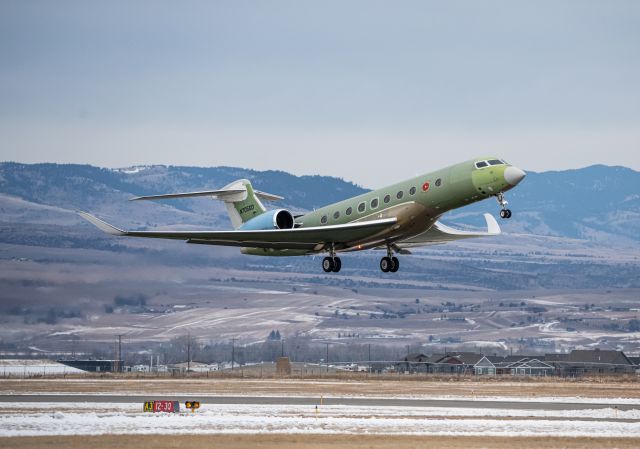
(102, 225)
(493, 228)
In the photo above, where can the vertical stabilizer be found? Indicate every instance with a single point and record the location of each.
(241, 207)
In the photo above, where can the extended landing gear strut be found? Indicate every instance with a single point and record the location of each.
(390, 263)
(331, 263)
(504, 213)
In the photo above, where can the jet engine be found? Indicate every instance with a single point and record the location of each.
(272, 219)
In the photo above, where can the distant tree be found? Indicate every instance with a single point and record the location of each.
(634, 325)
(417, 300)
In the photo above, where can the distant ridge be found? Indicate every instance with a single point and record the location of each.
(598, 203)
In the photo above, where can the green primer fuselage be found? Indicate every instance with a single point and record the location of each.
(417, 203)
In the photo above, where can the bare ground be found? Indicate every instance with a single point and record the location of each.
(592, 388)
(311, 442)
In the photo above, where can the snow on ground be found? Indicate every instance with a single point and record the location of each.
(104, 418)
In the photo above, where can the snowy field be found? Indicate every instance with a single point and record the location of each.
(66, 418)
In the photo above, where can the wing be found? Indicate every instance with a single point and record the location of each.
(440, 233)
(312, 239)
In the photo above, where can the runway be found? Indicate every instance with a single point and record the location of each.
(330, 401)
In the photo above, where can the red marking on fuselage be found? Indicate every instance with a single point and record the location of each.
(425, 186)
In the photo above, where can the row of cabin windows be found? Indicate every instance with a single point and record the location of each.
(374, 203)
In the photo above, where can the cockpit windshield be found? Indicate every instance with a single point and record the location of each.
(482, 164)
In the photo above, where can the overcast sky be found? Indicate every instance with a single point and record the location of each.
(370, 91)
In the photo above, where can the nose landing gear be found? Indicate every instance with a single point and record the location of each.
(390, 263)
(504, 213)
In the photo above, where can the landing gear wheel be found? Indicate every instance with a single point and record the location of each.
(505, 213)
(385, 264)
(337, 264)
(395, 264)
(327, 264)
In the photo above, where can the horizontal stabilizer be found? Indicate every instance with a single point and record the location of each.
(224, 195)
(213, 193)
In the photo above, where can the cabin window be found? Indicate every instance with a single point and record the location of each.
(481, 164)
(374, 203)
(438, 182)
(495, 162)
(336, 215)
(323, 220)
(349, 210)
(400, 194)
(412, 191)
(361, 207)
(387, 198)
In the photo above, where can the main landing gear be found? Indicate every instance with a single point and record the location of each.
(389, 263)
(504, 213)
(331, 263)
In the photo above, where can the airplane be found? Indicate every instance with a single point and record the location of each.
(396, 218)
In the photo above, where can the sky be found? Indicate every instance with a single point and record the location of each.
(370, 91)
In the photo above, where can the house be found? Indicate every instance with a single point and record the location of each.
(455, 363)
(484, 367)
(531, 367)
(636, 363)
(591, 361)
(414, 363)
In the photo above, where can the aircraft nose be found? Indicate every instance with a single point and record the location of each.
(514, 175)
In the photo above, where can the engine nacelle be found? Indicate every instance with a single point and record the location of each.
(272, 219)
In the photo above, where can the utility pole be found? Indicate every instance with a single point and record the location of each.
(369, 358)
(282, 348)
(188, 352)
(233, 352)
(119, 362)
(327, 359)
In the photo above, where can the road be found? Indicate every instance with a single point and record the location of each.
(296, 400)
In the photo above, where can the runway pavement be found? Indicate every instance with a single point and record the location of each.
(296, 400)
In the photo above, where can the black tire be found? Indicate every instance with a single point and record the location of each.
(327, 264)
(508, 213)
(395, 264)
(385, 264)
(503, 213)
(337, 264)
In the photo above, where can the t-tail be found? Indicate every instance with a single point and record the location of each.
(241, 200)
